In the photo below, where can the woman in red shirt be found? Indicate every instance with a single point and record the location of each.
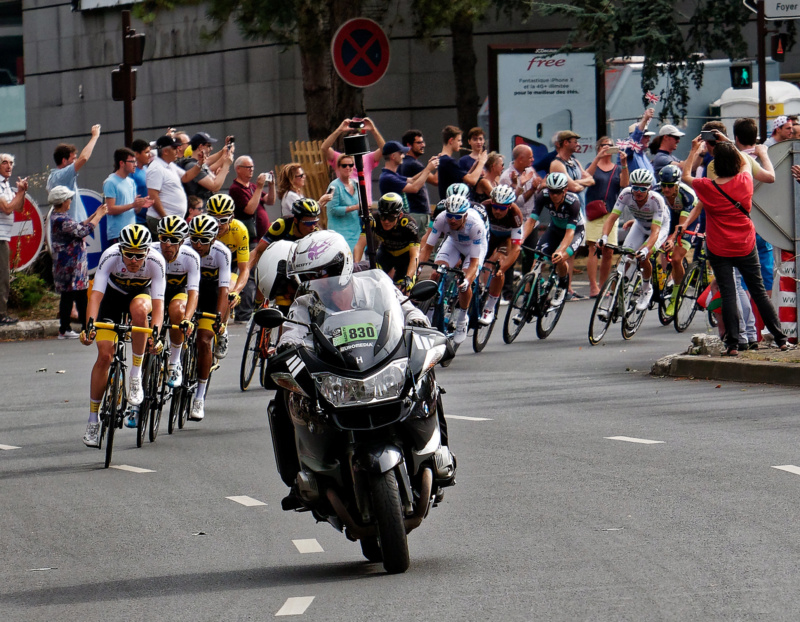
(731, 235)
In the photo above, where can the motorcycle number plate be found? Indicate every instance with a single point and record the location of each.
(353, 332)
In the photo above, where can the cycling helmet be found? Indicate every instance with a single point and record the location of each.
(173, 226)
(503, 195)
(271, 268)
(641, 177)
(203, 228)
(556, 181)
(134, 238)
(390, 204)
(456, 204)
(459, 189)
(220, 206)
(305, 207)
(321, 254)
(670, 174)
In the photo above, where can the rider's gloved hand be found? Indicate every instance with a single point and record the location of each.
(286, 345)
(643, 253)
(407, 284)
(420, 321)
(463, 285)
(234, 299)
(88, 335)
(602, 241)
(187, 326)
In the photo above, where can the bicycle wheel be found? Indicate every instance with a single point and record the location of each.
(161, 394)
(148, 376)
(250, 355)
(665, 296)
(633, 317)
(547, 321)
(686, 300)
(450, 308)
(174, 410)
(114, 391)
(481, 334)
(603, 310)
(517, 314)
(189, 384)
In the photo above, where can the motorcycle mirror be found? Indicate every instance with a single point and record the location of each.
(424, 290)
(268, 318)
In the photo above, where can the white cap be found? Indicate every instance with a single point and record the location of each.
(59, 194)
(669, 130)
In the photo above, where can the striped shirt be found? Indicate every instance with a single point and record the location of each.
(6, 220)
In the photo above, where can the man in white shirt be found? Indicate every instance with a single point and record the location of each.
(10, 202)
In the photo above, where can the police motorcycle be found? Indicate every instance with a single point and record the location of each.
(357, 422)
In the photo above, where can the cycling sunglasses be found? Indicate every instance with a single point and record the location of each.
(203, 240)
(134, 255)
(388, 217)
(499, 208)
(455, 216)
(552, 191)
(665, 184)
(169, 239)
(309, 223)
(224, 220)
(640, 188)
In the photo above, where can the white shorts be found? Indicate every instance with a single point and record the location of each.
(637, 235)
(451, 254)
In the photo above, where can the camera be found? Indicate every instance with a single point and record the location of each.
(356, 124)
(709, 136)
(270, 176)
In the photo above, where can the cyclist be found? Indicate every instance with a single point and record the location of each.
(465, 241)
(680, 200)
(130, 279)
(505, 242)
(215, 281)
(183, 282)
(398, 251)
(650, 225)
(565, 233)
(233, 234)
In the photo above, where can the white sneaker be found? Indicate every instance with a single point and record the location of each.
(558, 296)
(222, 346)
(92, 436)
(175, 372)
(488, 317)
(135, 393)
(198, 410)
(70, 334)
(461, 332)
(644, 298)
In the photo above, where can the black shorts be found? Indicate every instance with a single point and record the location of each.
(553, 236)
(116, 305)
(496, 241)
(208, 297)
(386, 261)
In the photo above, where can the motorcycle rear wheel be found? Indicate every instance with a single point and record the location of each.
(388, 511)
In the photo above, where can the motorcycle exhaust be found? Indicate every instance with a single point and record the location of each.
(358, 531)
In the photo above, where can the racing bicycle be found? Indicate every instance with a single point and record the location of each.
(696, 280)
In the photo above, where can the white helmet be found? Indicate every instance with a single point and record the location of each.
(459, 189)
(272, 265)
(322, 254)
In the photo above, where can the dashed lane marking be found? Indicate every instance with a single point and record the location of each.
(308, 546)
(8, 447)
(132, 469)
(629, 439)
(295, 606)
(467, 418)
(788, 467)
(246, 501)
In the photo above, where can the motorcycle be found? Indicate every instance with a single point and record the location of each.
(361, 403)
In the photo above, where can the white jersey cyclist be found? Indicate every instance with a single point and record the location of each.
(653, 211)
(215, 267)
(150, 278)
(470, 241)
(183, 272)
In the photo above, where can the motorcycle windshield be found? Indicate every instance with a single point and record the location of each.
(363, 319)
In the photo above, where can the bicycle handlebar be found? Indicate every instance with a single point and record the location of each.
(442, 268)
(124, 328)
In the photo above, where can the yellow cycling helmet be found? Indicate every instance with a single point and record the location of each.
(135, 238)
(203, 228)
(220, 206)
(305, 207)
(173, 226)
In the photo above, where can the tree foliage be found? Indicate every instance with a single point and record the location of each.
(655, 29)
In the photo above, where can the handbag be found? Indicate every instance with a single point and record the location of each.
(597, 209)
(736, 204)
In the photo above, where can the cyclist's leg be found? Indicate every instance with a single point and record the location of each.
(176, 312)
(140, 307)
(578, 239)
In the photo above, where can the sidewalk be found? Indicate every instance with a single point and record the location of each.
(29, 330)
(765, 365)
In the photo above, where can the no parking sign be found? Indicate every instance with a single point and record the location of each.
(360, 51)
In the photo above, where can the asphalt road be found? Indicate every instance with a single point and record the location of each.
(551, 518)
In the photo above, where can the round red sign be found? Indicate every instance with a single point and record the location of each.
(27, 236)
(360, 51)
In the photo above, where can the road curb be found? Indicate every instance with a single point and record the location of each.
(736, 370)
(29, 330)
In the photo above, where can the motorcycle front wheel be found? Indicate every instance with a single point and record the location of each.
(388, 510)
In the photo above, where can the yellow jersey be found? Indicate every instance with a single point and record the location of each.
(237, 241)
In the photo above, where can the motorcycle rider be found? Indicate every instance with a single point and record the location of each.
(324, 254)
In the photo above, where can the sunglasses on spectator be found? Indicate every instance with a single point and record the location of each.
(169, 239)
(309, 223)
(455, 216)
(134, 255)
(499, 208)
(640, 188)
(351, 165)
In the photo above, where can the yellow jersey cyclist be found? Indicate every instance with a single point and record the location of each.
(130, 279)
(233, 234)
(183, 284)
(398, 251)
(215, 282)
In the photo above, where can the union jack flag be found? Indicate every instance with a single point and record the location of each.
(651, 99)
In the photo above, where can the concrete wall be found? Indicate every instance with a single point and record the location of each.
(231, 86)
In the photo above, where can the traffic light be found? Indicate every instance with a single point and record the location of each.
(779, 43)
(123, 84)
(742, 75)
(132, 48)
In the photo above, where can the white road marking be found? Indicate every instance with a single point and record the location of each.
(132, 469)
(308, 546)
(629, 439)
(466, 418)
(295, 606)
(789, 467)
(7, 447)
(246, 501)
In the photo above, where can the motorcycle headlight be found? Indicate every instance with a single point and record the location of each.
(287, 381)
(345, 392)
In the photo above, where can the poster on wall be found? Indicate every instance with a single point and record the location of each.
(534, 94)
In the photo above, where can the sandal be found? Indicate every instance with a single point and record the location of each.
(731, 351)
